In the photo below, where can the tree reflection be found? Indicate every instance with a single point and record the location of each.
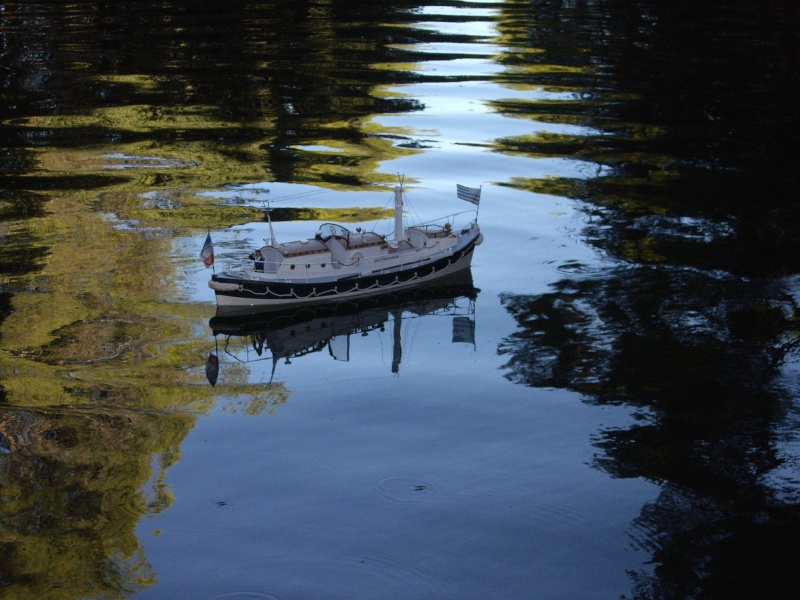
(245, 94)
(699, 356)
(75, 486)
(685, 120)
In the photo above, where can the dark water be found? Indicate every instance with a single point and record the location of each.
(611, 412)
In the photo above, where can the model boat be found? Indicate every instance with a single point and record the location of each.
(338, 263)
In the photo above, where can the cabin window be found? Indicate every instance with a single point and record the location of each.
(291, 266)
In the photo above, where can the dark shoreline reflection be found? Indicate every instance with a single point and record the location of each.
(687, 117)
(248, 86)
(699, 357)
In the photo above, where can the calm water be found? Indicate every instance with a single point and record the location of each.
(611, 412)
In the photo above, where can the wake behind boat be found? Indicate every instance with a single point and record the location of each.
(338, 264)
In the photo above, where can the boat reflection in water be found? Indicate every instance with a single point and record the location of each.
(288, 334)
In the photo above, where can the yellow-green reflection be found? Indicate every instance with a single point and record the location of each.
(75, 485)
(99, 332)
(102, 318)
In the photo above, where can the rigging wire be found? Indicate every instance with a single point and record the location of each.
(298, 195)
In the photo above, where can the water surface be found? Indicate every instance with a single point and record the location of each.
(612, 412)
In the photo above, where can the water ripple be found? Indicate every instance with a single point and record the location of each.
(247, 595)
(417, 574)
(401, 489)
(576, 267)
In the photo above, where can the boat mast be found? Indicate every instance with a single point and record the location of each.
(272, 241)
(398, 213)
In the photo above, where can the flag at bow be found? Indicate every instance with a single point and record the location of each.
(469, 194)
(207, 253)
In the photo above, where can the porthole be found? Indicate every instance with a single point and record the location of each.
(291, 266)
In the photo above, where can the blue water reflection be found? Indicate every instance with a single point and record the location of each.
(444, 481)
